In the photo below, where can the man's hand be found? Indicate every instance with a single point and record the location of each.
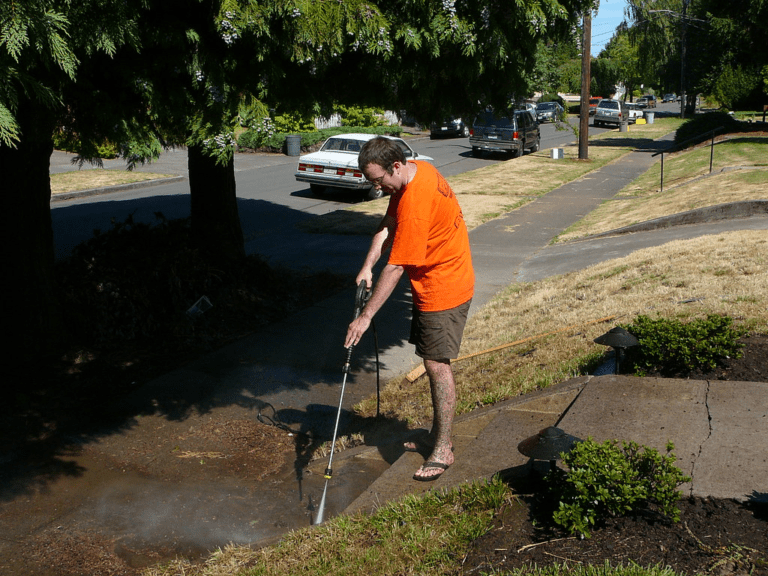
(356, 330)
(367, 275)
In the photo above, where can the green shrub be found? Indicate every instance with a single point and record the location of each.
(70, 143)
(699, 128)
(275, 141)
(293, 123)
(670, 346)
(607, 480)
(362, 117)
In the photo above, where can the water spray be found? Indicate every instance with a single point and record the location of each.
(361, 297)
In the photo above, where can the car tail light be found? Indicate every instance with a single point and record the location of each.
(353, 172)
(303, 167)
(515, 135)
(472, 131)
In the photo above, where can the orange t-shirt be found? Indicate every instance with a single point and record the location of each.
(431, 241)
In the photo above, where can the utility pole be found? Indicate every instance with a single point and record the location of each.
(586, 81)
(682, 60)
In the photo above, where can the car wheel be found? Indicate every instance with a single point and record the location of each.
(517, 152)
(465, 132)
(536, 144)
(374, 193)
(476, 152)
(317, 189)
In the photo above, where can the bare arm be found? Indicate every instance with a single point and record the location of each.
(381, 240)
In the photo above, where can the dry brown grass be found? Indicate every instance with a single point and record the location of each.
(98, 178)
(740, 172)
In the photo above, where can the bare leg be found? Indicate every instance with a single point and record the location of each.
(443, 388)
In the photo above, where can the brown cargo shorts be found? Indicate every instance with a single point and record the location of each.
(437, 335)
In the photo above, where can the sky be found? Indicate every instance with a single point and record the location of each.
(610, 15)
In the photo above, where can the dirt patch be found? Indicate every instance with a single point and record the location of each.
(206, 448)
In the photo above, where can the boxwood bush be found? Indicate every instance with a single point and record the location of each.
(610, 479)
(671, 347)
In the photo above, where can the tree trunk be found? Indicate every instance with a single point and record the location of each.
(33, 324)
(215, 219)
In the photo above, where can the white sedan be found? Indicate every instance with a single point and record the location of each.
(335, 164)
(635, 112)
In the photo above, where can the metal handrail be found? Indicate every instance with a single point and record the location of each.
(680, 145)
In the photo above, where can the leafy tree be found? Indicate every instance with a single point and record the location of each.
(153, 73)
(619, 63)
(737, 37)
(718, 48)
(558, 65)
(42, 45)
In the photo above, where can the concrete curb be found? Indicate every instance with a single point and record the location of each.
(728, 211)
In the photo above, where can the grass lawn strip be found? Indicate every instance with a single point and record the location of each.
(97, 178)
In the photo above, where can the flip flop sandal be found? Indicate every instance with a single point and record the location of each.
(431, 464)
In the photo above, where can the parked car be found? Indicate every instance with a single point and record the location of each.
(611, 112)
(593, 102)
(515, 132)
(449, 127)
(651, 100)
(634, 111)
(642, 102)
(549, 111)
(669, 97)
(335, 164)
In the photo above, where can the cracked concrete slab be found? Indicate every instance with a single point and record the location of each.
(733, 462)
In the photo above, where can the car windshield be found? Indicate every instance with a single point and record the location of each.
(612, 104)
(342, 145)
(488, 119)
(546, 106)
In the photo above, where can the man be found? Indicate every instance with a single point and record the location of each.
(429, 241)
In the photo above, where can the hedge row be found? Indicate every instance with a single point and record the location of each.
(252, 139)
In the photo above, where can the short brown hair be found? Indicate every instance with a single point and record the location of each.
(381, 151)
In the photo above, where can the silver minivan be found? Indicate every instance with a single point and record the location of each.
(611, 112)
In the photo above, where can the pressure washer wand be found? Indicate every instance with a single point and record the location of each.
(361, 297)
